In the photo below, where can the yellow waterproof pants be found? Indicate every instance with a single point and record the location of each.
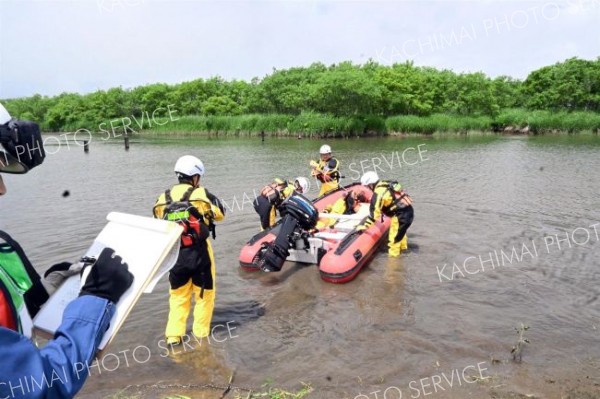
(322, 223)
(272, 217)
(395, 247)
(180, 303)
(327, 187)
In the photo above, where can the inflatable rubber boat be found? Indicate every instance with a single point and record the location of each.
(339, 251)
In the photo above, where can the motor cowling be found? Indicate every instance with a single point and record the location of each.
(302, 209)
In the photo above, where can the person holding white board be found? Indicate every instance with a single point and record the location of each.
(51, 372)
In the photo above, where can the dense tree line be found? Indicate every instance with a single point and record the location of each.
(341, 90)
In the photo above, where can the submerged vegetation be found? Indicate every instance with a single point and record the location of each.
(339, 100)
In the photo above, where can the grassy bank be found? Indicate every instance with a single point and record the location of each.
(437, 123)
(327, 126)
(546, 121)
(306, 124)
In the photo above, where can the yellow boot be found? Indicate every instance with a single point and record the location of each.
(404, 243)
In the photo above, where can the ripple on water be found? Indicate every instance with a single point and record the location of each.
(397, 320)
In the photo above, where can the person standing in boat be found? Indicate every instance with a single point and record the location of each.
(326, 170)
(195, 209)
(389, 199)
(272, 195)
(23, 292)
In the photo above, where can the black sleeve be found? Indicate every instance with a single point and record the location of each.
(215, 201)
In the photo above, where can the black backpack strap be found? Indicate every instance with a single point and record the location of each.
(192, 209)
(391, 190)
(36, 296)
(168, 198)
(397, 203)
(186, 196)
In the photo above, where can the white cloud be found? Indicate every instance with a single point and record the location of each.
(49, 47)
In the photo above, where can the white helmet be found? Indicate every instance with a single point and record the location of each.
(301, 183)
(189, 165)
(325, 149)
(4, 115)
(369, 178)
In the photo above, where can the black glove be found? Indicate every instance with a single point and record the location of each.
(109, 277)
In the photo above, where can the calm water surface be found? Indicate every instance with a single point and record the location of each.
(401, 320)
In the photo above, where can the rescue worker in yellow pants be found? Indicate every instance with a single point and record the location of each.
(389, 199)
(193, 275)
(326, 170)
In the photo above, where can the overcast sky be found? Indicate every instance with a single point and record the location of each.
(49, 47)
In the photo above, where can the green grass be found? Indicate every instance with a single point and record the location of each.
(546, 121)
(539, 122)
(437, 123)
(311, 124)
(306, 124)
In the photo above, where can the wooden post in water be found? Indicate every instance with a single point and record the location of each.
(126, 138)
(86, 146)
(262, 135)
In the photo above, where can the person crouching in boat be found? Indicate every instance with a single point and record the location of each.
(192, 206)
(272, 195)
(348, 204)
(326, 170)
(389, 199)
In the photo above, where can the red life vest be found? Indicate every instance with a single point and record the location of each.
(8, 313)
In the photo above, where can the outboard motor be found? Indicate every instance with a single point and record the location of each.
(300, 213)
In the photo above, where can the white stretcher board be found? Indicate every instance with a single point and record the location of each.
(340, 216)
(150, 248)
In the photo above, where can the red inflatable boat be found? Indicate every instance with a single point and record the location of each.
(340, 252)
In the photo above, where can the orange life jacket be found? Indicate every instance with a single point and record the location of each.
(272, 192)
